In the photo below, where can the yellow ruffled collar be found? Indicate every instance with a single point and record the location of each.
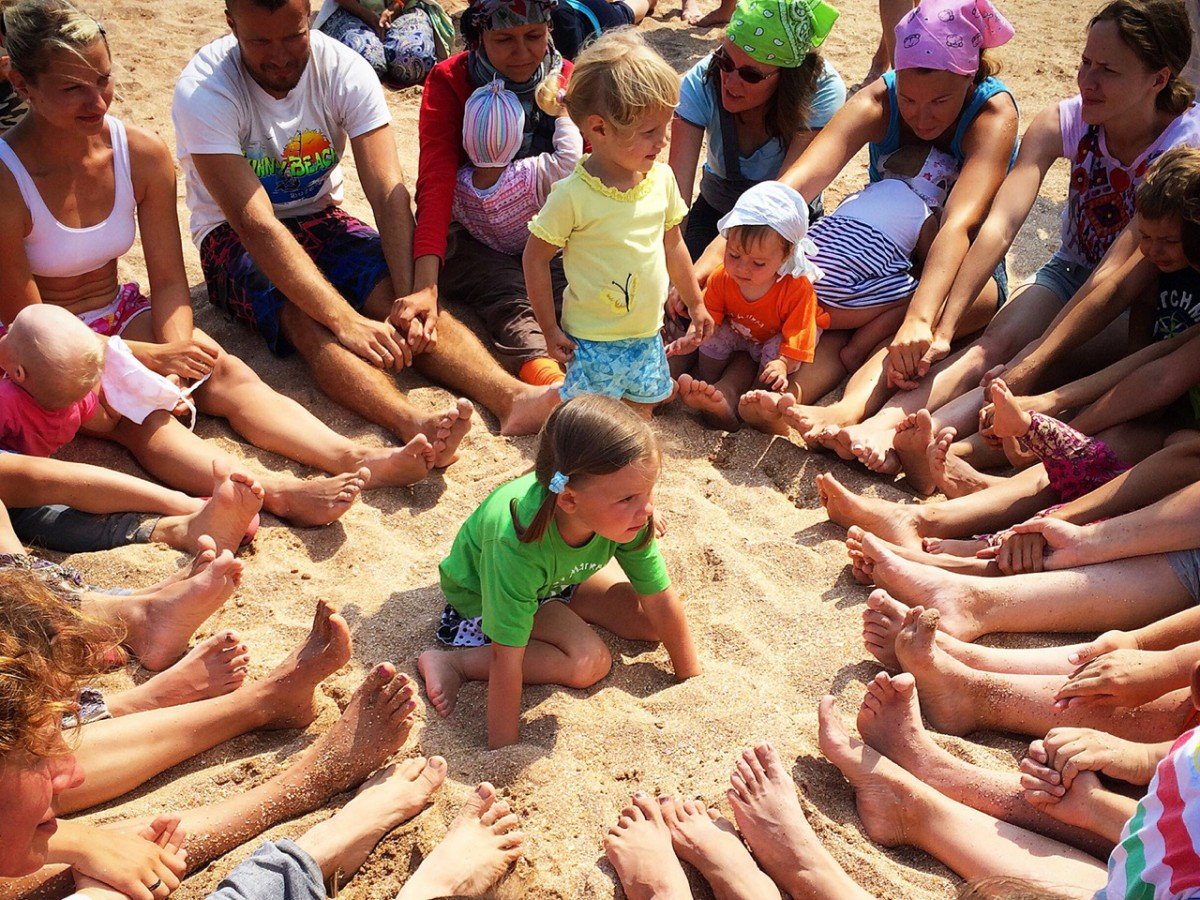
(637, 192)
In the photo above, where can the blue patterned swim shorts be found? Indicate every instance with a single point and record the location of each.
(635, 370)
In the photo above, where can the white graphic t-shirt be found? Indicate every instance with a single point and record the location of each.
(294, 144)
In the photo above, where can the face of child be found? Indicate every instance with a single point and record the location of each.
(1161, 242)
(755, 268)
(636, 147)
(615, 506)
(29, 785)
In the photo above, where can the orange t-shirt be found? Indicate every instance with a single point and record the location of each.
(790, 307)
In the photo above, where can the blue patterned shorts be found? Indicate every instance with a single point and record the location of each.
(456, 630)
(635, 370)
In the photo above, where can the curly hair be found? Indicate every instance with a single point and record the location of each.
(46, 648)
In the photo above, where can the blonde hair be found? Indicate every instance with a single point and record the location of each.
(64, 358)
(586, 437)
(34, 29)
(620, 78)
(1172, 186)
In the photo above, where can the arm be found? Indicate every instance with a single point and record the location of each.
(249, 212)
(665, 612)
(504, 696)
(683, 277)
(17, 289)
(551, 167)
(684, 155)
(536, 263)
(357, 9)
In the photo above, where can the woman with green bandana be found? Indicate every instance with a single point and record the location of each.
(759, 98)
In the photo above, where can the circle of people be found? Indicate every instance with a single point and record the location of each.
(1060, 422)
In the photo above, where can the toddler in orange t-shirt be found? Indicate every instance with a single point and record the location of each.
(762, 299)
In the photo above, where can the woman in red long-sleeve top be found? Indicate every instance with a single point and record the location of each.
(510, 40)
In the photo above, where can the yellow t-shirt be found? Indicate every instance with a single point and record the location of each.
(612, 251)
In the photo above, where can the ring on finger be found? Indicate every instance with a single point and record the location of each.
(154, 887)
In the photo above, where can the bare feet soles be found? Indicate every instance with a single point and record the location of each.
(449, 429)
(399, 466)
(639, 848)
(714, 407)
(316, 501)
(529, 409)
(890, 721)
(481, 845)
(950, 695)
(228, 517)
(288, 689)
(892, 521)
(912, 441)
(215, 666)
(951, 474)
(767, 411)
(709, 844)
(869, 442)
(443, 680)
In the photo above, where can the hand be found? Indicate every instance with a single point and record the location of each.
(559, 346)
(415, 318)
(130, 863)
(385, 21)
(1044, 789)
(939, 349)
(1071, 751)
(1018, 552)
(703, 325)
(774, 375)
(1064, 543)
(1106, 643)
(676, 308)
(1126, 678)
(191, 359)
(905, 353)
(376, 342)
(992, 374)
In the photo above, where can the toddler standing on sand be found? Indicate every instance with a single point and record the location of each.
(616, 219)
(529, 569)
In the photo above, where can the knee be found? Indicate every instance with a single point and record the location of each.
(587, 665)
(231, 372)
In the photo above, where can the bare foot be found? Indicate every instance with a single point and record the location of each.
(871, 443)
(953, 475)
(691, 12)
(952, 595)
(832, 438)
(886, 795)
(483, 841)
(715, 409)
(448, 430)
(951, 692)
(965, 548)
(912, 441)
(811, 421)
(443, 680)
(639, 848)
(316, 501)
(161, 624)
(206, 552)
(894, 521)
(214, 667)
(392, 795)
(890, 722)
(882, 620)
(1009, 419)
(288, 689)
(718, 16)
(528, 411)
(709, 843)
(965, 564)
(397, 466)
(766, 410)
(228, 517)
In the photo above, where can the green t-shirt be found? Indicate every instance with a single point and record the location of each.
(490, 573)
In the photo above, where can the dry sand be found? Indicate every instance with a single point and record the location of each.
(775, 613)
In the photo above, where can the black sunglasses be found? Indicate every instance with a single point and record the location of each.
(748, 74)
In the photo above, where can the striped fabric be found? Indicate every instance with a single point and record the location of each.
(863, 266)
(1158, 856)
(493, 126)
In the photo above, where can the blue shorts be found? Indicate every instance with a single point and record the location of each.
(1062, 278)
(456, 630)
(634, 369)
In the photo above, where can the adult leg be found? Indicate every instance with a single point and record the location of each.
(214, 667)
(709, 843)
(639, 848)
(38, 481)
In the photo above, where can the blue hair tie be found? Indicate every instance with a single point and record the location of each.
(559, 483)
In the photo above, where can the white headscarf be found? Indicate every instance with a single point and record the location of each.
(784, 210)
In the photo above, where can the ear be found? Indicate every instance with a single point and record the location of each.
(17, 80)
(567, 501)
(597, 125)
(18, 374)
(1162, 78)
(229, 21)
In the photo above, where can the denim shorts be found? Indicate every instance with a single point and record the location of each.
(634, 369)
(1062, 277)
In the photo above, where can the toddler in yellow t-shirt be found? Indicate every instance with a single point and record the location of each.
(616, 219)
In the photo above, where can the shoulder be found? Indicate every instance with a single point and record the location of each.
(146, 147)
(213, 70)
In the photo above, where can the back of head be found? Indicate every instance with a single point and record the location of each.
(63, 358)
(36, 29)
(1171, 187)
(620, 78)
(583, 438)
(1160, 34)
(46, 649)
(493, 126)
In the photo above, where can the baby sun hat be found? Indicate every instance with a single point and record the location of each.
(948, 35)
(493, 126)
(780, 32)
(775, 204)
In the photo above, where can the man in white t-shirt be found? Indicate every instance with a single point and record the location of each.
(262, 118)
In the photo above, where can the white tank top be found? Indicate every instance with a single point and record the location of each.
(56, 251)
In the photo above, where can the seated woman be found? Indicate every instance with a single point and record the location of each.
(401, 40)
(46, 652)
(63, 237)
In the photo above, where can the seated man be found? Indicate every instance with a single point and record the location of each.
(262, 117)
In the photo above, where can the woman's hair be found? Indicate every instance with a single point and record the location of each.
(1159, 33)
(46, 649)
(35, 29)
(585, 437)
(789, 106)
(988, 66)
(619, 78)
(1171, 186)
(751, 236)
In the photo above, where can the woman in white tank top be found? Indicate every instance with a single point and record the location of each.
(61, 236)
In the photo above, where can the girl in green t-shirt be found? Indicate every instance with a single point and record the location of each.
(549, 536)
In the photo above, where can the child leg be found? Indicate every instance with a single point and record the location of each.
(608, 600)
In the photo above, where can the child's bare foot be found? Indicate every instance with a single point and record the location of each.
(392, 795)
(715, 409)
(443, 680)
(288, 689)
(214, 667)
(830, 437)
(709, 843)
(529, 409)
(952, 546)
(205, 553)
(1009, 419)
(483, 841)
(397, 466)
(161, 624)
(229, 517)
(951, 692)
(316, 501)
(766, 410)
(864, 565)
(639, 848)
(953, 475)
(914, 436)
(896, 522)
(882, 620)
(952, 595)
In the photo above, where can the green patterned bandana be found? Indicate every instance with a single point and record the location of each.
(780, 32)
